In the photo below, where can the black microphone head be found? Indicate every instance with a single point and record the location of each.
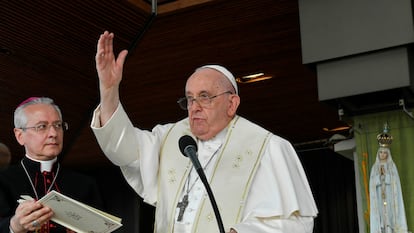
(186, 141)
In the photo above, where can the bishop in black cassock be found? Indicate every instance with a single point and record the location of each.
(39, 127)
(15, 182)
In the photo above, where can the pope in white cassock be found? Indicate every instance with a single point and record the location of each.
(387, 212)
(256, 177)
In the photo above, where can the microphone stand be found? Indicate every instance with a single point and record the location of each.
(212, 199)
(188, 148)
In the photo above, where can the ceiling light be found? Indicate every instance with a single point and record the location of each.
(253, 78)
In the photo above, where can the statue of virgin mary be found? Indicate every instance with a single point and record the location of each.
(387, 213)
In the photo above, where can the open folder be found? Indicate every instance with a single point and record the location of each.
(78, 216)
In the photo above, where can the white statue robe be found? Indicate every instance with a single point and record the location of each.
(279, 197)
(389, 217)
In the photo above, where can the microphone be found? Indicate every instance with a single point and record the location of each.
(188, 148)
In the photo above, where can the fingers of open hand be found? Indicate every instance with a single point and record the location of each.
(108, 42)
(104, 47)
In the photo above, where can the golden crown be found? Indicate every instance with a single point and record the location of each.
(384, 139)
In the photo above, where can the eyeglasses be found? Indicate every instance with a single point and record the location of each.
(41, 128)
(203, 100)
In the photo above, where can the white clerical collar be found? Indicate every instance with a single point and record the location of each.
(44, 165)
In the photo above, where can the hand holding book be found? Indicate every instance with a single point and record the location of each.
(78, 216)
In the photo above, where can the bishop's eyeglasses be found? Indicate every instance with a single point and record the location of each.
(204, 100)
(42, 128)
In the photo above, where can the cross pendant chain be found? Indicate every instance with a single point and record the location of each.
(182, 206)
(184, 203)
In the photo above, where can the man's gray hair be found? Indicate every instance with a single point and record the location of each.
(20, 118)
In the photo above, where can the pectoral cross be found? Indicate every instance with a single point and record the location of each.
(182, 206)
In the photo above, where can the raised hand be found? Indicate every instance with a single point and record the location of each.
(109, 71)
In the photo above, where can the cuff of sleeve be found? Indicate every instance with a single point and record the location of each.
(96, 121)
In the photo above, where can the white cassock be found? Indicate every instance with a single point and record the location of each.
(278, 199)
